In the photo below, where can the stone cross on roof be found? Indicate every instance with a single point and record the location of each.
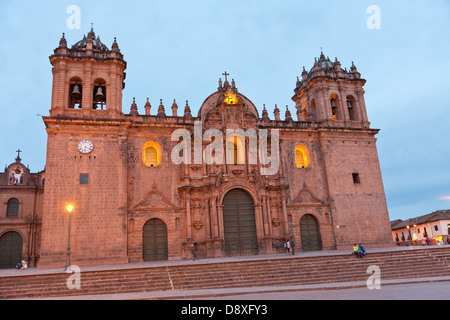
(225, 74)
(18, 155)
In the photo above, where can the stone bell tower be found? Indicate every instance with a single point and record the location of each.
(332, 99)
(86, 156)
(331, 95)
(88, 78)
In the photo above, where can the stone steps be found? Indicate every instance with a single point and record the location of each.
(263, 272)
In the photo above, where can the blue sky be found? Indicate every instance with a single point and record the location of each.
(179, 49)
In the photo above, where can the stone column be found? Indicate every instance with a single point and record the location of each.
(188, 217)
(208, 220)
(220, 248)
(264, 215)
(88, 87)
(287, 230)
(269, 217)
(220, 220)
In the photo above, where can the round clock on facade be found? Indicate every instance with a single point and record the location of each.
(85, 146)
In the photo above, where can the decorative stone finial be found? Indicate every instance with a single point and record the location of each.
(161, 110)
(276, 113)
(63, 41)
(134, 108)
(288, 116)
(187, 110)
(115, 45)
(174, 108)
(147, 107)
(265, 114)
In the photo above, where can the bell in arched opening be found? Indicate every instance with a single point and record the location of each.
(99, 99)
(75, 96)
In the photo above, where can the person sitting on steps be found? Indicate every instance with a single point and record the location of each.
(355, 250)
(361, 251)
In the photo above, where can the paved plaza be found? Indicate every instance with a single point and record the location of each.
(433, 288)
(412, 291)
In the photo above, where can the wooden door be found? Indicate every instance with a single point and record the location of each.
(155, 245)
(239, 224)
(310, 233)
(10, 250)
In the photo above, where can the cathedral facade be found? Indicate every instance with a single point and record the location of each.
(227, 181)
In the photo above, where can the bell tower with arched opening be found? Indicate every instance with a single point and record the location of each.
(331, 95)
(88, 79)
(331, 99)
(86, 155)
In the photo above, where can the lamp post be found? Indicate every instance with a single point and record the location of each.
(409, 237)
(69, 210)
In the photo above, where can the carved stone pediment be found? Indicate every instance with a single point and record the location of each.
(307, 198)
(154, 201)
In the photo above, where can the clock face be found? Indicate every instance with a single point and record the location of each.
(85, 146)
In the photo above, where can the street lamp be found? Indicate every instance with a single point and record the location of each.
(69, 210)
(410, 236)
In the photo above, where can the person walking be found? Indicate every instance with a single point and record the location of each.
(292, 243)
(194, 251)
(287, 245)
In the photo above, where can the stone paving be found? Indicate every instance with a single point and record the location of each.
(419, 288)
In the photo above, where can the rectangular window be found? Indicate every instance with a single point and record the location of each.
(13, 208)
(84, 179)
(356, 178)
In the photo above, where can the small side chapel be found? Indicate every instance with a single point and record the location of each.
(21, 196)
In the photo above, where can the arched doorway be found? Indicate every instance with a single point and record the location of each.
(10, 250)
(310, 233)
(155, 245)
(239, 224)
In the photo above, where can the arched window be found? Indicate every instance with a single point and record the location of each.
(151, 157)
(235, 150)
(151, 154)
(299, 159)
(13, 208)
(302, 157)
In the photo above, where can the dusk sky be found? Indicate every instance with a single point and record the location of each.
(179, 50)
